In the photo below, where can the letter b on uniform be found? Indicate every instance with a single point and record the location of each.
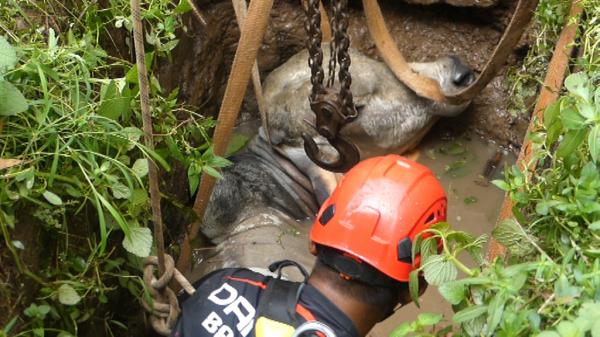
(212, 322)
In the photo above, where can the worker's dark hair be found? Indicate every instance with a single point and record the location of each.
(383, 299)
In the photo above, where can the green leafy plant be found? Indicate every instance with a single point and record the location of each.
(547, 285)
(72, 165)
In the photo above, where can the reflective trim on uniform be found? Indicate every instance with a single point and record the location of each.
(245, 280)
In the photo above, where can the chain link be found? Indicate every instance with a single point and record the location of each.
(339, 53)
(315, 37)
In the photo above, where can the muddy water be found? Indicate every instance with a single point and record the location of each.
(473, 205)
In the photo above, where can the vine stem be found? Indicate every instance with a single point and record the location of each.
(461, 266)
(138, 39)
(451, 256)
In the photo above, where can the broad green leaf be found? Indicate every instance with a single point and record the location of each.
(140, 167)
(212, 172)
(571, 142)
(8, 56)
(12, 100)
(475, 326)
(138, 197)
(139, 242)
(18, 244)
(174, 150)
(587, 110)
(416, 246)
(551, 114)
(543, 207)
(596, 329)
(113, 105)
(595, 226)
(67, 295)
(553, 133)
(120, 191)
(578, 84)
(565, 291)
(594, 143)
(501, 184)
(132, 73)
(217, 161)
(454, 292)
(510, 234)
(469, 313)
(534, 319)
(413, 286)
(568, 329)
(495, 311)
(237, 141)
(52, 198)
(193, 179)
(571, 119)
(183, 7)
(438, 270)
(403, 329)
(548, 334)
(429, 319)
(429, 247)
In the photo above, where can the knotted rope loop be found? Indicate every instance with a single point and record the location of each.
(164, 308)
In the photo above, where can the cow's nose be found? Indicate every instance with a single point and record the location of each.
(462, 75)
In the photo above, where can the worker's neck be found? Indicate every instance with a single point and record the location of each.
(363, 316)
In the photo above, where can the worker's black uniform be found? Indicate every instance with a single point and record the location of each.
(227, 303)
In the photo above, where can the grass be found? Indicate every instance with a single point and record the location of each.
(73, 168)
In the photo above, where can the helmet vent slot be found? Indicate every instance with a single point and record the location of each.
(405, 250)
(327, 214)
(430, 218)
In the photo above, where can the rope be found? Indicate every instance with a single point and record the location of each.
(164, 307)
(252, 31)
(147, 126)
(428, 88)
(251, 36)
(241, 11)
(197, 12)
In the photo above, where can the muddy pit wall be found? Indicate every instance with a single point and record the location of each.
(201, 62)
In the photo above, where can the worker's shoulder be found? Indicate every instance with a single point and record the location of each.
(235, 276)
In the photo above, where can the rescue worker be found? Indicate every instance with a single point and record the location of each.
(362, 238)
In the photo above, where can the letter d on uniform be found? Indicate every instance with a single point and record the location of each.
(224, 295)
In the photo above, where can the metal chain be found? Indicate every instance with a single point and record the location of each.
(342, 41)
(339, 53)
(315, 37)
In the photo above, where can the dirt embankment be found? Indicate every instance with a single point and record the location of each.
(202, 60)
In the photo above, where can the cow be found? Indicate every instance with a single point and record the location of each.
(261, 208)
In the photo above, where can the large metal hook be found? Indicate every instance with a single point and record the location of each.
(347, 152)
(330, 118)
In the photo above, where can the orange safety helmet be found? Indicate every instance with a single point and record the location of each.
(375, 213)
